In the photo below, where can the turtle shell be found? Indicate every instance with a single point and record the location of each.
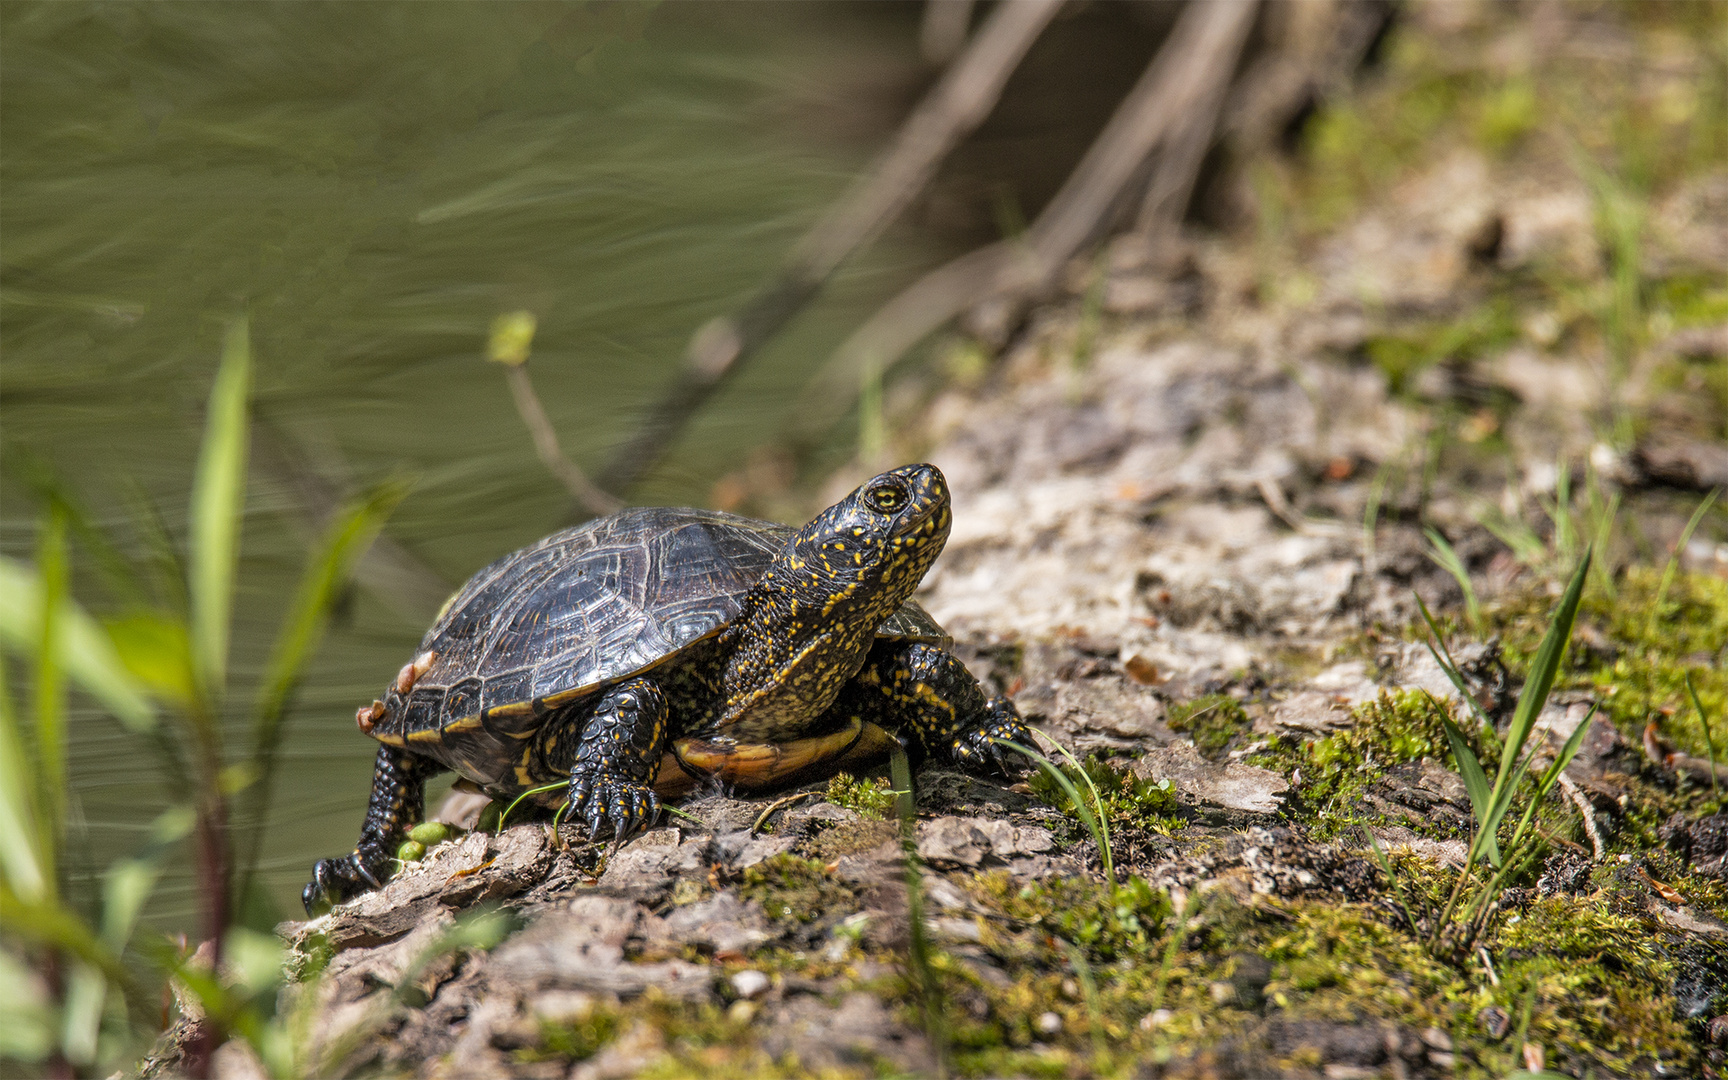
(582, 609)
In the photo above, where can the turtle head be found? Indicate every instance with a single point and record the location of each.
(811, 619)
(868, 552)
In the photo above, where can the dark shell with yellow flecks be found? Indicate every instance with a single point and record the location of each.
(581, 610)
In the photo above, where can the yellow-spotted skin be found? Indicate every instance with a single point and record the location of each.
(643, 652)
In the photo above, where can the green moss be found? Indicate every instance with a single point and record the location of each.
(1403, 354)
(795, 890)
(1642, 652)
(1332, 775)
(1109, 926)
(577, 1038)
(1129, 801)
(1342, 962)
(1597, 981)
(1506, 114)
(872, 798)
(1211, 721)
(850, 838)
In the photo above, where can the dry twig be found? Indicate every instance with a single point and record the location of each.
(1188, 74)
(582, 489)
(943, 29)
(955, 106)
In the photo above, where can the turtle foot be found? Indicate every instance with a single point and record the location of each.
(625, 805)
(336, 880)
(980, 750)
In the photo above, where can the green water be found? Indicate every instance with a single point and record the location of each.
(373, 183)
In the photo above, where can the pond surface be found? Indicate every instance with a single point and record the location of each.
(373, 183)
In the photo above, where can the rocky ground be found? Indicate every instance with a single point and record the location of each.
(1191, 511)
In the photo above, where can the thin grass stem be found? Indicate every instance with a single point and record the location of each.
(1673, 565)
(1709, 739)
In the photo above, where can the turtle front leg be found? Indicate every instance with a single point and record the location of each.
(398, 804)
(927, 692)
(620, 750)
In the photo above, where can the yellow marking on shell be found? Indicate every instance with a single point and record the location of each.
(523, 778)
(428, 735)
(467, 723)
(389, 740)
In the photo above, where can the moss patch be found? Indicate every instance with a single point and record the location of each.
(1332, 775)
(1129, 801)
(794, 890)
(871, 798)
(1643, 642)
(1211, 721)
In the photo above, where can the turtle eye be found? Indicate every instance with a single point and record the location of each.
(886, 499)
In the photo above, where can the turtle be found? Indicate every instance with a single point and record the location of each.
(642, 654)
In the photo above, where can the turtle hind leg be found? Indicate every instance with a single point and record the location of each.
(398, 803)
(612, 777)
(926, 692)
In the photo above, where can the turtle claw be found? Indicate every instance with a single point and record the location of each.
(981, 751)
(336, 880)
(627, 804)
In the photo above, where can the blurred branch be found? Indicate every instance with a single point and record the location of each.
(582, 489)
(1186, 77)
(954, 107)
(943, 29)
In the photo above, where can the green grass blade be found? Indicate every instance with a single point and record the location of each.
(1543, 669)
(1673, 564)
(1606, 517)
(1099, 812)
(1056, 774)
(21, 865)
(1565, 532)
(919, 950)
(1443, 657)
(327, 570)
(81, 1014)
(1391, 873)
(1445, 556)
(1568, 751)
(218, 500)
(1709, 738)
(50, 691)
(86, 654)
(1519, 538)
(504, 818)
(1476, 782)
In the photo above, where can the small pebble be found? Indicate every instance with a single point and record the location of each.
(1049, 1024)
(1157, 1018)
(750, 983)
